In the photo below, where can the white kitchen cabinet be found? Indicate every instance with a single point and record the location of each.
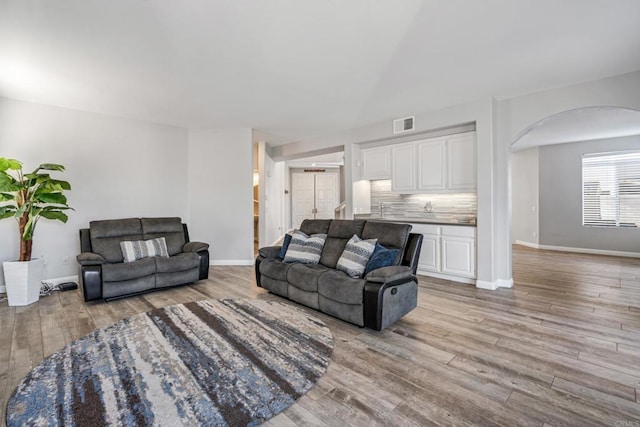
(448, 252)
(376, 163)
(432, 164)
(458, 256)
(403, 168)
(430, 252)
(444, 164)
(461, 161)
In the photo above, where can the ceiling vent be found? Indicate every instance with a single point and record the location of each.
(405, 124)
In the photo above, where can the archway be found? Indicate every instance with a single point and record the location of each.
(546, 176)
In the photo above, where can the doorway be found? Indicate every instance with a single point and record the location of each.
(547, 172)
(316, 188)
(315, 193)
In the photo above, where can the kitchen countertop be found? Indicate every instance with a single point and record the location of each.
(448, 220)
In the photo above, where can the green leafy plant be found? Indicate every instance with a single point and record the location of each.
(27, 197)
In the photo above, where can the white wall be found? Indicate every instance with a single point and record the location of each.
(561, 198)
(274, 201)
(493, 244)
(221, 192)
(117, 168)
(525, 196)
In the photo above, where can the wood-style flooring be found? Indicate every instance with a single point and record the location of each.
(560, 348)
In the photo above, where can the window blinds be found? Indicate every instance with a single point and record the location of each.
(611, 189)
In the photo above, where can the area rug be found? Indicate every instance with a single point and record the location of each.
(231, 362)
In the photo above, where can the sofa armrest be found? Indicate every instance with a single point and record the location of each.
(90, 258)
(90, 281)
(385, 303)
(269, 251)
(389, 274)
(412, 251)
(195, 247)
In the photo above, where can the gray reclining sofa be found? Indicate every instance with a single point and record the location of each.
(375, 301)
(104, 274)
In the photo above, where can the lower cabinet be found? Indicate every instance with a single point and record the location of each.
(430, 253)
(458, 256)
(448, 252)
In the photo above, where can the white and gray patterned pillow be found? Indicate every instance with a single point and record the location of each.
(137, 249)
(355, 256)
(305, 249)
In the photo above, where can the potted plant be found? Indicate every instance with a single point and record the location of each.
(27, 197)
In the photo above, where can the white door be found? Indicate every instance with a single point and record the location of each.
(431, 164)
(430, 253)
(458, 256)
(326, 194)
(313, 196)
(376, 163)
(403, 170)
(461, 156)
(302, 197)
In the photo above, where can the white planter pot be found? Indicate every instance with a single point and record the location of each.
(22, 279)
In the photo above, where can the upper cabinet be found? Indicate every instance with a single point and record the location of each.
(432, 167)
(376, 163)
(445, 164)
(461, 161)
(403, 168)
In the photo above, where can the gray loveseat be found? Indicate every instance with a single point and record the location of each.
(104, 275)
(376, 301)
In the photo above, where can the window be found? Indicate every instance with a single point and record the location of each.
(611, 189)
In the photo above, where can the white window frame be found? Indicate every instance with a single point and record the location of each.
(610, 171)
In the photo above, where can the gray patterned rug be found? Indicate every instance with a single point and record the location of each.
(215, 362)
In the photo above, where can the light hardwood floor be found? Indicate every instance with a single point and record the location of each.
(560, 348)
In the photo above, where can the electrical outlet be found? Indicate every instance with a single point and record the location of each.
(44, 259)
(65, 260)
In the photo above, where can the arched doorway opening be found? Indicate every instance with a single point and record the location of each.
(546, 175)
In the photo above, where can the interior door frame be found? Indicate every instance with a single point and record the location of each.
(291, 171)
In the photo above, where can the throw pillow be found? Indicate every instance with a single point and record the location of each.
(356, 255)
(305, 249)
(382, 257)
(285, 246)
(137, 249)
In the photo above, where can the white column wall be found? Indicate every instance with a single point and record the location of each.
(525, 198)
(220, 191)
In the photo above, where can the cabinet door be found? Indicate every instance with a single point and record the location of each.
(458, 256)
(376, 163)
(403, 168)
(461, 161)
(432, 164)
(430, 253)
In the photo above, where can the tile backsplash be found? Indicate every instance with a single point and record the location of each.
(407, 204)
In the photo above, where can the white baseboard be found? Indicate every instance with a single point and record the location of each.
(527, 244)
(58, 280)
(492, 286)
(579, 250)
(466, 280)
(232, 262)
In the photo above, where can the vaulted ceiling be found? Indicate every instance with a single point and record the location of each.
(295, 69)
